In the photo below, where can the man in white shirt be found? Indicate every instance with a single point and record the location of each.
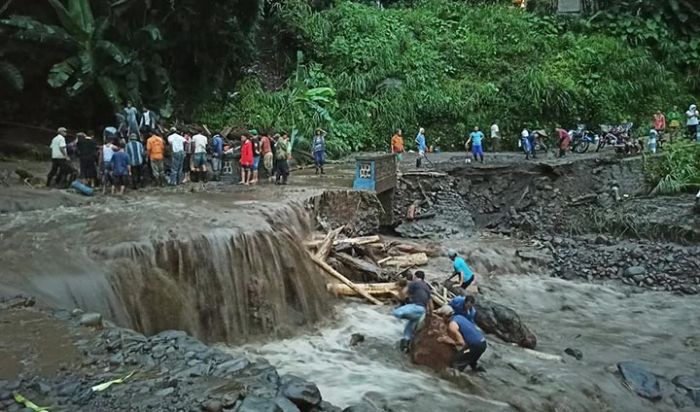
(200, 155)
(495, 137)
(59, 157)
(177, 144)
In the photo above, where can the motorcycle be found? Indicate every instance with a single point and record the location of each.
(614, 135)
(582, 139)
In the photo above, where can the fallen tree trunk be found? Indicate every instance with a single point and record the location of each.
(343, 279)
(375, 289)
(406, 247)
(362, 240)
(325, 248)
(360, 265)
(414, 259)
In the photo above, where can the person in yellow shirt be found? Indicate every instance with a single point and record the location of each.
(397, 146)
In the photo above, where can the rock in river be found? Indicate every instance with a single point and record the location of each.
(503, 322)
(640, 380)
(91, 319)
(304, 394)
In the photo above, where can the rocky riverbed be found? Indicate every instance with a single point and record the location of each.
(55, 359)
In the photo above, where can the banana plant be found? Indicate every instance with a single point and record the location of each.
(93, 60)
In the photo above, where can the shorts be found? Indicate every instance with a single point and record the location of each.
(122, 180)
(319, 158)
(421, 153)
(200, 159)
(477, 150)
(215, 164)
(256, 162)
(399, 157)
(466, 283)
(246, 166)
(87, 169)
(267, 161)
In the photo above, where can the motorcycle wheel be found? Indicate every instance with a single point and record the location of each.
(601, 144)
(581, 146)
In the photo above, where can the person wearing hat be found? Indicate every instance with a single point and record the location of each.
(59, 157)
(461, 269)
(318, 147)
(468, 341)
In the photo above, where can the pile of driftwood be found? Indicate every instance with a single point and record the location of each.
(366, 266)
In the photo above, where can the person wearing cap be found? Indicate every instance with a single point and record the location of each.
(59, 157)
(461, 269)
(418, 302)
(137, 157)
(468, 341)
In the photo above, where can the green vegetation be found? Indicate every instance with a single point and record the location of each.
(448, 66)
(678, 170)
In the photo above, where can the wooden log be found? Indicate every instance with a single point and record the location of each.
(414, 259)
(374, 289)
(424, 174)
(323, 265)
(404, 247)
(362, 240)
(359, 265)
(325, 248)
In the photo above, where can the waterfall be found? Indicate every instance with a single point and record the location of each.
(220, 285)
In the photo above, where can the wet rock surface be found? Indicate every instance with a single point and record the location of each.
(169, 371)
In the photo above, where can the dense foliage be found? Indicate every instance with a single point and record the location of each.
(100, 53)
(678, 170)
(449, 66)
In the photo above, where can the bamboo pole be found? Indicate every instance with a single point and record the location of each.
(325, 266)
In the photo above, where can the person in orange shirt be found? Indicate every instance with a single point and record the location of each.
(155, 148)
(397, 146)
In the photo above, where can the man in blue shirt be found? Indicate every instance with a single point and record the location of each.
(422, 147)
(217, 149)
(461, 269)
(468, 341)
(418, 302)
(476, 137)
(137, 158)
(464, 306)
(120, 169)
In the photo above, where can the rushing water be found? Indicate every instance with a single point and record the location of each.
(660, 331)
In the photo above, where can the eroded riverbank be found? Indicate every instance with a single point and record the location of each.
(509, 229)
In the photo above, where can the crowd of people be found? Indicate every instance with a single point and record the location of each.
(459, 314)
(137, 151)
(663, 128)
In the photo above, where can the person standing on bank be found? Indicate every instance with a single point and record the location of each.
(418, 303)
(397, 147)
(475, 138)
(137, 160)
(217, 153)
(267, 156)
(199, 141)
(692, 122)
(148, 120)
(130, 114)
(319, 150)
(120, 169)
(87, 153)
(467, 339)
(460, 269)
(282, 155)
(246, 159)
(495, 137)
(177, 145)
(59, 157)
(422, 147)
(155, 147)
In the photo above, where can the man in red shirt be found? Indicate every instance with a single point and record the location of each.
(246, 159)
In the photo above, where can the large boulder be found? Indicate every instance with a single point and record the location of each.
(503, 322)
(640, 380)
(303, 393)
(426, 350)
